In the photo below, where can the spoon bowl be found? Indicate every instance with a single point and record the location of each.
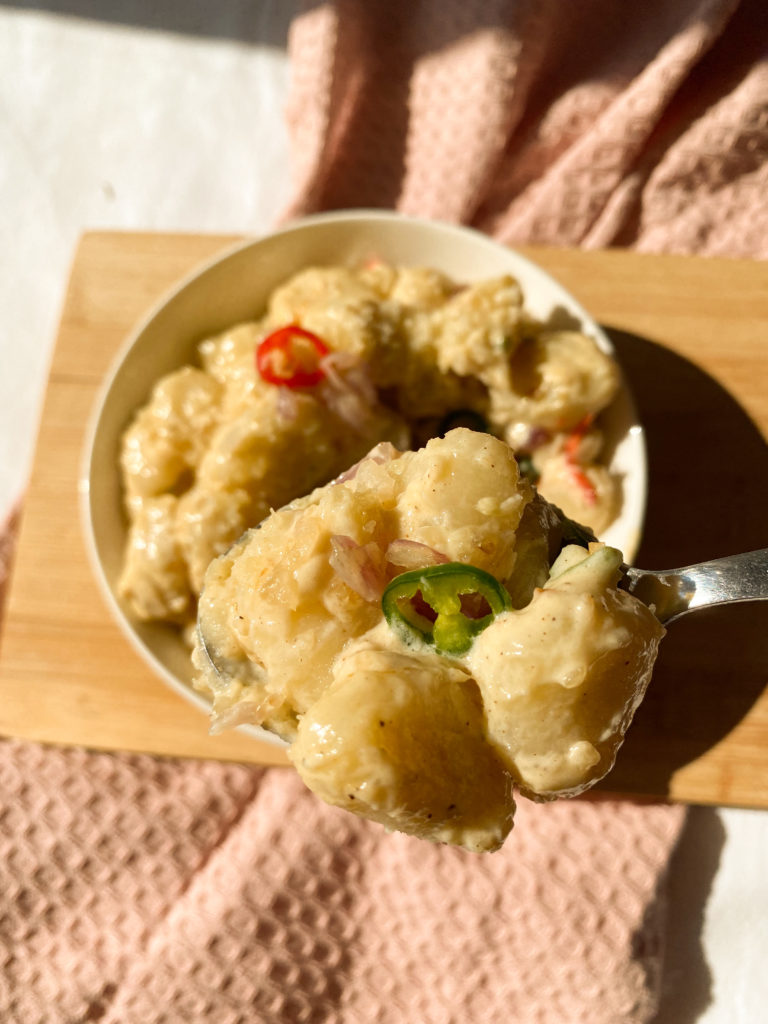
(671, 593)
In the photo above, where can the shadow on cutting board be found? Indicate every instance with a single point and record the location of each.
(708, 494)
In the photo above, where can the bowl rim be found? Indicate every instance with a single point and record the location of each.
(229, 252)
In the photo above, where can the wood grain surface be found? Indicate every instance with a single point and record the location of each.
(692, 335)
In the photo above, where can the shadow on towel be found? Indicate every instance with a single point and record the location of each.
(686, 981)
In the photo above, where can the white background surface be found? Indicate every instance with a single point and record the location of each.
(175, 123)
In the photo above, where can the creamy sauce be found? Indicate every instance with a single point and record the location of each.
(217, 447)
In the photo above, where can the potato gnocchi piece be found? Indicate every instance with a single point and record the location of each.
(155, 580)
(478, 330)
(338, 305)
(556, 379)
(310, 598)
(383, 717)
(170, 435)
(561, 678)
(399, 738)
(585, 492)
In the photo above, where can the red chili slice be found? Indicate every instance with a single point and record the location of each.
(575, 437)
(283, 357)
(582, 480)
(572, 445)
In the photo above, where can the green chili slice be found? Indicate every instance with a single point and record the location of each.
(527, 468)
(443, 605)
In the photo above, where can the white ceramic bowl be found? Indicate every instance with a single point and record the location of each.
(233, 288)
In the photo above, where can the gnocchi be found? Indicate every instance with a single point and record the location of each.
(502, 667)
(405, 351)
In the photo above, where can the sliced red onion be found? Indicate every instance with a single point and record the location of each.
(411, 554)
(360, 566)
(537, 437)
(381, 453)
(338, 361)
(245, 712)
(287, 407)
(348, 389)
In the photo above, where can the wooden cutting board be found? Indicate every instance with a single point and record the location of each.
(692, 335)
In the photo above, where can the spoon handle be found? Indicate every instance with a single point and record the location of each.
(722, 581)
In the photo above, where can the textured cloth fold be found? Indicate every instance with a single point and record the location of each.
(589, 124)
(140, 890)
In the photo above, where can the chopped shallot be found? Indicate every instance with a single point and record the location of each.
(360, 566)
(349, 391)
(287, 407)
(537, 437)
(411, 554)
(246, 712)
(367, 569)
(380, 453)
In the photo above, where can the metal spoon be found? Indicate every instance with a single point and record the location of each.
(671, 593)
(675, 592)
(227, 669)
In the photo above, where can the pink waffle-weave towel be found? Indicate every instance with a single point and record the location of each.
(144, 891)
(540, 121)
